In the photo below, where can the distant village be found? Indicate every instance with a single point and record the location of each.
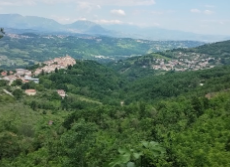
(56, 63)
(183, 63)
(27, 76)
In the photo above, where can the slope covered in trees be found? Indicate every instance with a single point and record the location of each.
(192, 59)
(216, 49)
(176, 119)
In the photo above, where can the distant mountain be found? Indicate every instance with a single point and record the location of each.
(20, 31)
(80, 25)
(15, 22)
(28, 22)
(44, 25)
(156, 33)
(87, 27)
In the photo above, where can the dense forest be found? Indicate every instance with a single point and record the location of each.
(115, 119)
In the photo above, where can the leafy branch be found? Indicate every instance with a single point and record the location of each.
(134, 157)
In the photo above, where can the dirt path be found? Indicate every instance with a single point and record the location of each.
(7, 92)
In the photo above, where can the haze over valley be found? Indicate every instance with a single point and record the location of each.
(15, 23)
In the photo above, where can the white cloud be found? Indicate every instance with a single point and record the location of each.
(102, 2)
(157, 12)
(208, 12)
(195, 11)
(130, 2)
(156, 24)
(87, 7)
(66, 20)
(162, 12)
(54, 1)
(209, 6)
(222, 23)
(97, 3)
(17, 3)
(102, 21)
(118, 12)
(82, 18)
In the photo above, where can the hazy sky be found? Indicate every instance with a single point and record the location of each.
(199, 16)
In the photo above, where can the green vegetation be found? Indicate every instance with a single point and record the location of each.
(1, 32)
(110, 118)
(29, 49)
(167, 120)
(217, 49)
(202, 57)
(137, 67)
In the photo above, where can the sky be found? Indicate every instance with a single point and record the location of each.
(198, 16)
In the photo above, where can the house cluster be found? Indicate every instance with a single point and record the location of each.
(162, 64)
(18, 36)
(57, 63)
(26, 76)
(184, 62)
(23, 74)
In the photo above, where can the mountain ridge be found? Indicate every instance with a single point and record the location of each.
(42, 24)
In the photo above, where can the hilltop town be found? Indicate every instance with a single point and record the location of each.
(183, 62)
(176, 61)
(26, 75)
(56, 63)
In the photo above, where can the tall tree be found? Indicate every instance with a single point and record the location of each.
(1, 32)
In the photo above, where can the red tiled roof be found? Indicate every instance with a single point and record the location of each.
(30, 90)
(4, 73)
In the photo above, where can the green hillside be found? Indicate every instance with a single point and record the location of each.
(108, 120)
(28, 49)
(215, 49)
(192, 59)
(120, 114)
(138, 67)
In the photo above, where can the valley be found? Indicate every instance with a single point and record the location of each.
(20, 51)
(98, 83)
(102, 110)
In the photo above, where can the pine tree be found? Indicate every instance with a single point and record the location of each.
(1, 32)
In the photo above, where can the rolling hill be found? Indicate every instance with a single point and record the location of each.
(169, 108)
(202, 57)
(29, 48)
(105, 120)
